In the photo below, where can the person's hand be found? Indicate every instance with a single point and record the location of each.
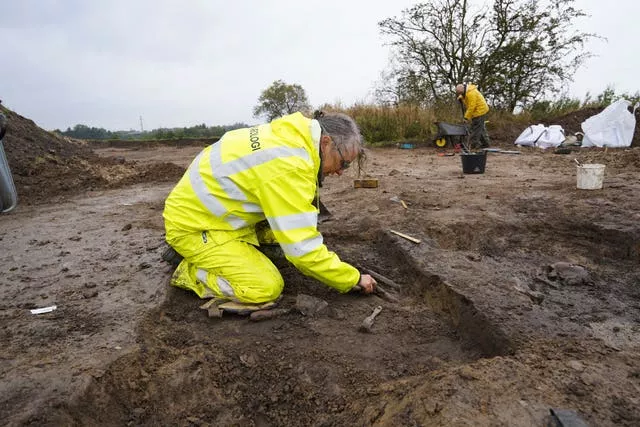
(367, 284)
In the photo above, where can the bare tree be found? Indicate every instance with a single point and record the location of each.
(515, 50)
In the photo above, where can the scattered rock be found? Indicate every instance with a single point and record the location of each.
(577, 388)
(310, 306)
(126, 227)
(248, 360)
(536, 297)
(89, 293)
(433, 408)
(335, 313)
(468, 373)
(576, 365)
(591, 379)
(195, 421)
(568, 274)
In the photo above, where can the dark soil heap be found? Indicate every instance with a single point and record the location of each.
(46, 165)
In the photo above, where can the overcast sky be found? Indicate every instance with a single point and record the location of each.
(106, 63)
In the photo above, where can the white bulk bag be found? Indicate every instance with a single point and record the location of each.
(552, 136)
(541, 136)
(612, 127)
(530, 135)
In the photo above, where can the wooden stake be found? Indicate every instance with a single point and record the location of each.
(412, 239)
(382, 279)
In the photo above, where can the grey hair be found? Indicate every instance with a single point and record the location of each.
(344, 131)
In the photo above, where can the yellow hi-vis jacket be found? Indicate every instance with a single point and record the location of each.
(268, 171)
(474, 103)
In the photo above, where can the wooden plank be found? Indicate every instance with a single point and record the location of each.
(404, 236)
(365, 183)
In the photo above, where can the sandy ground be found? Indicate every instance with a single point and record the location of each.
(488, 330)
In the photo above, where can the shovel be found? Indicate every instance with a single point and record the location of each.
(466, 145)
(324, 215)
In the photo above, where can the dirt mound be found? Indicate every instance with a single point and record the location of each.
(46, 166)
(504, 135)
(571, 122)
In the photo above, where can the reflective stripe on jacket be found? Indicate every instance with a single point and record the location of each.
(474, 103)
(264, 172)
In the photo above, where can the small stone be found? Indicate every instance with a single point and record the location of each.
(468, 373)
(89, 293)
(126, 227)
(248, 360)
(309, 306)
(576, 365)
(214, 312)
(195, 421)
(474, 257)
(335, 313)
(590, 379)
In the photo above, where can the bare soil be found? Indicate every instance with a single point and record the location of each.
(485, 332)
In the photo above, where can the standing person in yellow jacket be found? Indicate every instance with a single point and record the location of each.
(475, 109)
(269, 172)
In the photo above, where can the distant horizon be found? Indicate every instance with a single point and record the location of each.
(256, 121)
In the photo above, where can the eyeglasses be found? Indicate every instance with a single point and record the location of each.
(344, 164)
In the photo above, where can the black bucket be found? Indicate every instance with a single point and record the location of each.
(473, 162)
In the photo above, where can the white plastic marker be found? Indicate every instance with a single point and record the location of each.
(43, 310)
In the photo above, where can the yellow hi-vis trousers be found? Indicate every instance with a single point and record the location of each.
(234, 269)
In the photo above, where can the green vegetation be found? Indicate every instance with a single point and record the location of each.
(280, 99)
(194, 132)
(548, 109)
(382, 124)
(394, 123)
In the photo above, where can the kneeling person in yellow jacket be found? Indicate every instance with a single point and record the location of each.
(269, 172)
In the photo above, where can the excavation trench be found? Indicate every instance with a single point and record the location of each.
(294, 370)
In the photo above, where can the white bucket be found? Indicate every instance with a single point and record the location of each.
(590, 176)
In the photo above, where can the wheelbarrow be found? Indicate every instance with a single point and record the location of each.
(454, 135)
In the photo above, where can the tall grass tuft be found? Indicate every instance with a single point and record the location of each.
(381, 124)
(387, 124)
